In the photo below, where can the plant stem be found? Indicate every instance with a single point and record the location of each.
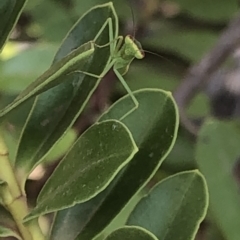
(6, 171)
(14, 199)
(18, 210)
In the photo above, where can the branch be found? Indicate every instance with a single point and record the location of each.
(199, 74)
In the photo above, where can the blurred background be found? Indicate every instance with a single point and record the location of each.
(178, 33)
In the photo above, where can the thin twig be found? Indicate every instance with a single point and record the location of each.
(199, 74)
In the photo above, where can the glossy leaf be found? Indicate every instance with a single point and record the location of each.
(95, 159)
(154, 127)
(182, 157)
(69, 222)
(68, 99)
(10, 11)
(131, 233)
(216, 153)
(174, 208)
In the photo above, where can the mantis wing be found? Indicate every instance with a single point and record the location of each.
(53, 76)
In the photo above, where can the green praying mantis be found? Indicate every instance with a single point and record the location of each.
(122, 52)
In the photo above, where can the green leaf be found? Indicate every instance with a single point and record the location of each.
(62, 146)
(26, 65)
(19, 117)
(209, 10)
(78, 58)
(216, 153)
(69, 222)
(10, 11)
(182, 157)
(187, 43)
(131, 233)
(68, 99)
(88, 168)
(154, 127)
(174, 208)
(122, 7)
(55, 14)
(199, 107)
(213, 233)
(139, 70)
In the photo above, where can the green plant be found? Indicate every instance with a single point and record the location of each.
(108, 165)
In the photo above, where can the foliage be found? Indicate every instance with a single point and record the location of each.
(115, 175)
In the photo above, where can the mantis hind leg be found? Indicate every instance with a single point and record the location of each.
(123, 82)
